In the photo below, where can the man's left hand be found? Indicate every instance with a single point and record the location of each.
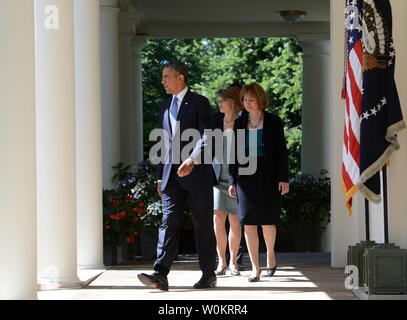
(186, 168)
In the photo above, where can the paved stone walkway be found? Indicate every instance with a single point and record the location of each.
(299, 276)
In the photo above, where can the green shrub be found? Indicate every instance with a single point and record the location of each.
(309, 199)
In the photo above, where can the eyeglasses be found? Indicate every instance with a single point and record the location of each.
(221, 101)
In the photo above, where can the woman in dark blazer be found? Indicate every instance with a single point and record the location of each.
(259, 194)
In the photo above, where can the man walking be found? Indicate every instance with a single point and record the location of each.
(192, 179)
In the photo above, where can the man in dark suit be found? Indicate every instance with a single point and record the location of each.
(181, 178)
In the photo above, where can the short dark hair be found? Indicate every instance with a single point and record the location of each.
(235, 84)
(236, 87)
(179, 67)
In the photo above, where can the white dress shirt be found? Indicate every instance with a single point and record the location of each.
(180, 96)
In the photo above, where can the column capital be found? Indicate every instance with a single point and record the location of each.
(138, 43)
(314, 44)
(108, 4)
(127, 26)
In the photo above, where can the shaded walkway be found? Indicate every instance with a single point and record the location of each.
(299, 276)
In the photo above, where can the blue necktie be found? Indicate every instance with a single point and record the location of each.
(174, 114)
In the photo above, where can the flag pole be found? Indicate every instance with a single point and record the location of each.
(367, 223)
(385, 206)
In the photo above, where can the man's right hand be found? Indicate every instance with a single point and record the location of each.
(159, 188)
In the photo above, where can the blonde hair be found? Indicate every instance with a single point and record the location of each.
(256, 90)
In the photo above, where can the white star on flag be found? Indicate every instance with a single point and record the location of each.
(384, 101)
(374, 111)
(366, 115)
(350, 40)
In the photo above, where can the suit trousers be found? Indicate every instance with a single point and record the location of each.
(198, 188)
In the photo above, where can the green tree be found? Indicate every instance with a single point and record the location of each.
(275, 63)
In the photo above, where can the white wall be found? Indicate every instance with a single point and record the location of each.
(397, 172)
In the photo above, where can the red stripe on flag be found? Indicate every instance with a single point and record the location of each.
(348, 182)
(359, 51)
(354, 147)
(355, 92)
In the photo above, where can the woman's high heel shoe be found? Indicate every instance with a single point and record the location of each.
(256, 278)
(221, 272)
(271, 271)
(234, 271)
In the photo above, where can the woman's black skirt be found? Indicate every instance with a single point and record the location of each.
(259, 200)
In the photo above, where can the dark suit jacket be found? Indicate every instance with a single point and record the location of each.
(194, 113)
(274, 148)
(217, 123)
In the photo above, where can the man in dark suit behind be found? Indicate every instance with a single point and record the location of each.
(176, 181)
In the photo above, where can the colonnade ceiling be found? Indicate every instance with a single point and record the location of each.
(224, 18)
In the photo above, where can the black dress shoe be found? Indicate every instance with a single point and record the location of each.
(156, 280)
(206, 282)
(256, 278)
(270, 272)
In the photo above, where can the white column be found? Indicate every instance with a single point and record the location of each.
(18, 238)
(109, 50)
(315, 154)
(137, 45)
(56, 148)
(88, 134)
(127, 29)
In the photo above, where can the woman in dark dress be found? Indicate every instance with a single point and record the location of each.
(259, 194)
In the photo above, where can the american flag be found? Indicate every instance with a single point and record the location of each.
(352, 93)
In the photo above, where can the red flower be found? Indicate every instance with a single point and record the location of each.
(107, 227)
(130, 239)
(141, 204)
(121, 215)
(135, 219)
(112, 216)
(141, 212)
(135, 233)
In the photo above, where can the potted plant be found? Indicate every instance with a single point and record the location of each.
(144, 185)
(122, 212)
(307, 210)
